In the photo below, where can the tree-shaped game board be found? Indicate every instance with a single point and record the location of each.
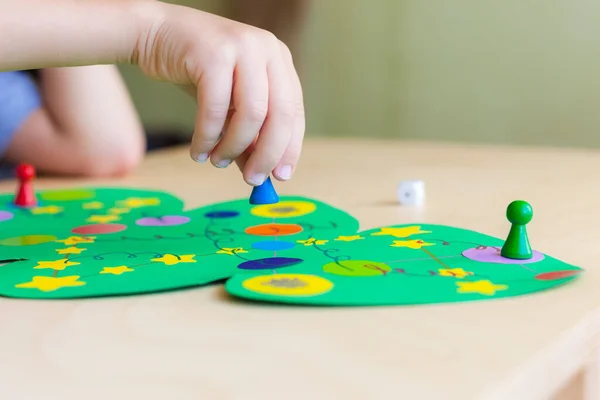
(91, 242)
(403, 264)
(115, 241)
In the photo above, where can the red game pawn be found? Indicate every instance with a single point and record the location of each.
(25, 195)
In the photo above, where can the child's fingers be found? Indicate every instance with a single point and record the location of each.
(287, 165)
(277, 130)
(243, 158)
(214, 96)
(251, 102)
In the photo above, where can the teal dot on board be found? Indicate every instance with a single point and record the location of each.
(519, 213)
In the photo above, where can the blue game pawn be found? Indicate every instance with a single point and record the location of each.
(264, 194)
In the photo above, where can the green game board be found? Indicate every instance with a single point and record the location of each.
(115, 241)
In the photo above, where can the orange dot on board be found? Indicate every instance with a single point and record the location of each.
(274, 229)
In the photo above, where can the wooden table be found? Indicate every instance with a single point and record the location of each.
(199, 344)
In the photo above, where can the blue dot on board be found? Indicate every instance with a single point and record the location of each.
(269, 263)
(273, 245)
(221, 214)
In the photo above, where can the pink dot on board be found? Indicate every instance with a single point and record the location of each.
(99, 229)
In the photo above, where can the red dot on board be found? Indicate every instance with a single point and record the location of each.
(550, 276)
(99, 229)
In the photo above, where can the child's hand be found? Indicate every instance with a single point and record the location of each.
(243, 77)
(246, 86)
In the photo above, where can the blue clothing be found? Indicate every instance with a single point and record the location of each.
(19, 97)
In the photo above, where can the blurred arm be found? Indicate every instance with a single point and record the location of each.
(88, 125)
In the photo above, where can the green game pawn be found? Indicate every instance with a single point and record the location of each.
(517, 247)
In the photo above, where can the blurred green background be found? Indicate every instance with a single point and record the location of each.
(512, 71)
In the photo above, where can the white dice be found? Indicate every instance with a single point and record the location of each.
(411, 192)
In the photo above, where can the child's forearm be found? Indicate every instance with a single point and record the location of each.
(91, 109)
(42, 33)
(88, 125)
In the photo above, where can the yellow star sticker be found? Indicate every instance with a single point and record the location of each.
(312, 241)
(484, 287)
(231, 251)
(411, 244)
(171, 259)
(70, 250)
(116, 210)
(349, 238)
(135, 202)
(47, 210)
(103, 219)
(92, 205)
(57, 265)
(73, 240)
(49, 283)
(400, 232)
(116, 270)
(454, 272)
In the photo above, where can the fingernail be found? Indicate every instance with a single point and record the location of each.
(201, 158)
(285, 172)
(258, 179)
(223, 163)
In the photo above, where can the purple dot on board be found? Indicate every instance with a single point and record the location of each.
(167, 220)
(269, 263)
(6, 215)
(273, 245)
(221, 214)
(492, 255)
